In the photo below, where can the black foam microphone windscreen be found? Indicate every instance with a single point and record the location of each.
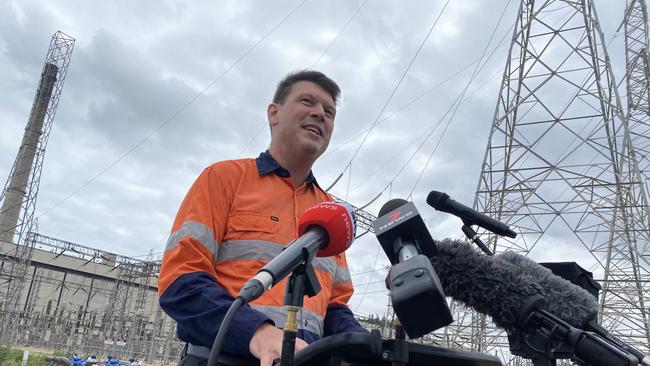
(485, 284)
(498, 286)
(563, 299)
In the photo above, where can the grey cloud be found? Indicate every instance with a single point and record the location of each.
(136, 64)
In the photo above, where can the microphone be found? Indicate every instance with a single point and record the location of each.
(488, 285)
(569, 302)
(402, 232)
(441, 202)
(324, 230)
(583, 309)
(412, 282)
(517, 303)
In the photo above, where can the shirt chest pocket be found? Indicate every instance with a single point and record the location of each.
(252, 226)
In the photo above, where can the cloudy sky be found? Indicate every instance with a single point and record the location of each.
(157, 90)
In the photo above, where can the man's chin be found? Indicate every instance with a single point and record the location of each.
(312, 150)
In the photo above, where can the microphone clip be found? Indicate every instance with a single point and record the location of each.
(473, 236)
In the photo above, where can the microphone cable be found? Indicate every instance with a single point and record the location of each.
(223, 330)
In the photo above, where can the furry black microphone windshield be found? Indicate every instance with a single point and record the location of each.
(563, 299)
(488, 285)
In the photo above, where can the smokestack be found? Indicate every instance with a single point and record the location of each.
(17, 187)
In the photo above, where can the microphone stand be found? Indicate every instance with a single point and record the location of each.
(473, 236)
(303, 281)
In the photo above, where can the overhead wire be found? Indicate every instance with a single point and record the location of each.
(375, 123)
(397, 85)
(345, 26)
(338, 35)
(423, 135)
(479, 67)
(429, 131)
(401, 108)
(175, 114)
(462, 96)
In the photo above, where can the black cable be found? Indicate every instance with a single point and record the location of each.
(223, 330)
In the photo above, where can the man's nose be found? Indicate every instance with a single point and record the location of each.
(318, 111)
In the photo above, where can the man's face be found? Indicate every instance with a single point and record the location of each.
(305, 120)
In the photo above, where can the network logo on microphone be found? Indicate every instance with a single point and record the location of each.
(394, 215)
(350, 218)
(339, 221)
(395, 218)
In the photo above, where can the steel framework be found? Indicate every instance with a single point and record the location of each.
(21, 189)
(364, 219)
(85, 299)
(560, 166)
(637, 76)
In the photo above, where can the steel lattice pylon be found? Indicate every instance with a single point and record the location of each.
(560, 166)
(637, 77)
(18, 198)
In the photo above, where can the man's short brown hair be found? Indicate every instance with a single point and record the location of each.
(316, 77)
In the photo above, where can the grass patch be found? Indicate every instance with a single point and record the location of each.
(11, 356)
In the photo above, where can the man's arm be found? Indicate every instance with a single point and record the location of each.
(339, 317)
(188, 289)
(198, 305)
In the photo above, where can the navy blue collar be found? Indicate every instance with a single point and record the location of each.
(267, 164)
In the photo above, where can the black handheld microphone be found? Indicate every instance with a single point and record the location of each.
(414, 286)
(441, 202)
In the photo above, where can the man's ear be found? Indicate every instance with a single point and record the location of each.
(272, 114)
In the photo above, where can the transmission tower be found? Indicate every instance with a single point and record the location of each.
(560, 166)
(637, 77)
(18, 197)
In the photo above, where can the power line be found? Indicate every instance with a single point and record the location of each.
(339, 33)
(399, 82)
(314, 65)
(459, 100)
(429, 131)
(462, 96)
(175, 114)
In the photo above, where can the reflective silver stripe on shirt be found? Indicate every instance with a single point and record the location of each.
(196, 230)
(307, 320)
(264, 251)
(342, 274)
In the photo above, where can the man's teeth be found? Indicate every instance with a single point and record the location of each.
(313, 130)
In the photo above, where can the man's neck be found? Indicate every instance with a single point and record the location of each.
(298, 167)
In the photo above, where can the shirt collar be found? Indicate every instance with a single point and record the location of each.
(267, 164)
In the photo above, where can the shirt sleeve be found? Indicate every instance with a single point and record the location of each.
(339, 317)
(188, 288)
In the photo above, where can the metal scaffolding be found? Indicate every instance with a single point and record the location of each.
(560, 166)
(18, 197)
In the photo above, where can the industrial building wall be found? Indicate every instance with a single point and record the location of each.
(69, 304)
